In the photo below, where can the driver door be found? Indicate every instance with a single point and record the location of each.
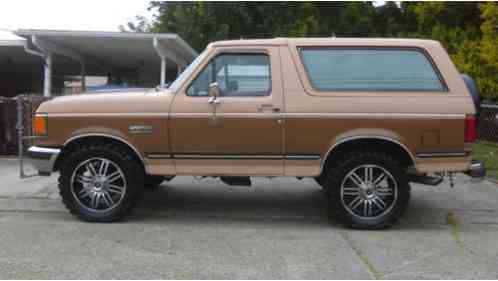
(241, 131)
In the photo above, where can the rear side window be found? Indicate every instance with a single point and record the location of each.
(370, 70)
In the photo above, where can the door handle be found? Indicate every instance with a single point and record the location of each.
(268, 107)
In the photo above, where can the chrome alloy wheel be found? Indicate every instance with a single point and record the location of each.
(369, 191)
(98, 184)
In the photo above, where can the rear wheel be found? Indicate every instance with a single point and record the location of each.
(100, 182)
(367, 189)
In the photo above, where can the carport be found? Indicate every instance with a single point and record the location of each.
(135, 59)
(45, 61)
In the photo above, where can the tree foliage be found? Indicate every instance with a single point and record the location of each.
(468, 30)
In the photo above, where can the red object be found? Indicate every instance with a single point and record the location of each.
(470, 129)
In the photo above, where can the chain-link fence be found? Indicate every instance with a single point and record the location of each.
(8, 123)
(16, 115)
(487, 129)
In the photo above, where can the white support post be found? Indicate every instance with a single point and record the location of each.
(83, 77)
(47, 83)
(179, 70)
(163, 52)
(163, 72)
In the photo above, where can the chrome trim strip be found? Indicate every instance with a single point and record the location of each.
(233, 156)
(302, 157)
(158, 156)
(229, 115)
(46, 150)
(375, 115)
(263, 114)
(116, 114)
(227, 157)
(441, 154)
(317, 115)
(108, 136)
(43, 159)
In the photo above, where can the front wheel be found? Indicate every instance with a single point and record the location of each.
(368, 189)
(100, 182)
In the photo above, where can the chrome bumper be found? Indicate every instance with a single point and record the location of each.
(43, 159)
(477, 169)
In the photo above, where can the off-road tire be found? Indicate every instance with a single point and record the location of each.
(345, 163)
(320, 180)
(131, 168)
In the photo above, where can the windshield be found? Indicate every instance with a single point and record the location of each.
(186, 73)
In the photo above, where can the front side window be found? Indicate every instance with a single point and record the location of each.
(236, 74)
(186, 73)
(370, 70)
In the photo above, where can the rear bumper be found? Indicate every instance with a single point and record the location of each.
(476, 169)
(43, 159)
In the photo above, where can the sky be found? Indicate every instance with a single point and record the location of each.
(94, 15)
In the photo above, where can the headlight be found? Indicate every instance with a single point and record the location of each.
(40, 125)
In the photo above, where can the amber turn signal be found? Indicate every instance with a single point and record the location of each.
(40, 125)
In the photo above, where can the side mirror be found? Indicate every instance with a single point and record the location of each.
(214, 93)
(214, 90)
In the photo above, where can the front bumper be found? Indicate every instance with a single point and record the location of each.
(476, 169)
(43, 159)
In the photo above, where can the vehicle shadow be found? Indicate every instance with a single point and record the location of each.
(284, 201)
(210, 199)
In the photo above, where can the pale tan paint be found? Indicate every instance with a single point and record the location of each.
(310, 121)
(110, 115)
(302, 168)
(240, 128)
(340, 107)
(214, 167)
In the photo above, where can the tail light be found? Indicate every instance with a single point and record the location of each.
(470, 129)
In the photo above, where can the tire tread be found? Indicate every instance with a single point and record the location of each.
(333, 182)
(128, 203)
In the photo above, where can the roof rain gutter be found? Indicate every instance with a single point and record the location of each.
(31, 51)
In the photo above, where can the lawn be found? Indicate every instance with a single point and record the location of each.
(488, 152)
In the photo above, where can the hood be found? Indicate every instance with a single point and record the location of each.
(116, 102)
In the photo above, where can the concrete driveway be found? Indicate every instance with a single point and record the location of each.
(276, 229)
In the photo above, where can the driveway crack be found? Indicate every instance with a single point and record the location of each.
(376, 274)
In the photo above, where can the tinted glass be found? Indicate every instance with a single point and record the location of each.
(236, 74)
(370, 70)
(186, 73)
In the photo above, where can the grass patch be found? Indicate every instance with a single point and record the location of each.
(454, 222)
(487, 152)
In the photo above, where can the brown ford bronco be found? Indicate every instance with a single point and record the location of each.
(364, 117)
